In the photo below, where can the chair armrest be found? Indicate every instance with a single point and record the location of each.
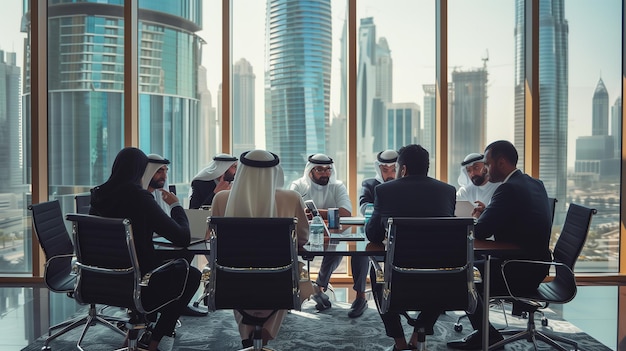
(529, 263)
(58, 257)
(145, 279)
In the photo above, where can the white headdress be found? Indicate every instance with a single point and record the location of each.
(258, 176)
(319, 160)
(385, 158)
(220, 164)
(469, 160)
(154, 163)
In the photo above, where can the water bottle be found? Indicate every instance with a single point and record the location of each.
(369, 209)
(316, 231)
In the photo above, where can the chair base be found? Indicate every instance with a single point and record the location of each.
(90, 319)
(533, 335)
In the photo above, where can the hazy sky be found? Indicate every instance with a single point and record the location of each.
(476, 28)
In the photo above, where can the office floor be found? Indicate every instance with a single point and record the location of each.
(594, 310)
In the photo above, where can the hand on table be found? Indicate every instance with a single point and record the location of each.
(478, 210)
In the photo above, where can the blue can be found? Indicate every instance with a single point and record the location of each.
(333, 218)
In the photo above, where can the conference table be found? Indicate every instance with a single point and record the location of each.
(363, 247)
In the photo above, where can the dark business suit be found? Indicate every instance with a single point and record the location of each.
(411, 196)
(519, 213)
(367, 192)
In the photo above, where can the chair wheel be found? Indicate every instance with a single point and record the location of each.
(544, 322)
(46, 348)
(458, 327)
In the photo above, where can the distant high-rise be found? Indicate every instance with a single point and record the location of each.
(207, 139)
(384, 71)
(243, 107)
(600, 110)
(299, 57)
(86, 82)
(12, 170)
(374, 89)
(616, 126)
(467, 121)
(402, 125)
(553, 87)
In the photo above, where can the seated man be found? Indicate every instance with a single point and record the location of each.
(412, 194)
(474, 183)
(519, 213)
(214, 178)
(257, 193)
(154, 180)
(319, 183)
(385, 165)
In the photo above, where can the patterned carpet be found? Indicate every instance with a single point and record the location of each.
(312, 330)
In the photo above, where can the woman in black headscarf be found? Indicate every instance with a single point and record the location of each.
(122, 196)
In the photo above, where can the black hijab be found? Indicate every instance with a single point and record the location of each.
(128, 168)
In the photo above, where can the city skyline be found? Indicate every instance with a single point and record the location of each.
(417, 51)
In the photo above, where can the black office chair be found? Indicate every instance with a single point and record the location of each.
(248, 255)
(559, 290)
(59, 277)
(83, 203)
(429, 264)
(108, 272)
(499, 303)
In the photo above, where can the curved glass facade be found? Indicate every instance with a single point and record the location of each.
(86, 78)
(299, 35)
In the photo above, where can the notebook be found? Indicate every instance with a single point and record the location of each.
(463, 208)
(197, 226)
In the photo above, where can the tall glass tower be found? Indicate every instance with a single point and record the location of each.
(298, 69)
(600, 110)
(243, 107)
(85, 82)
(553, 87)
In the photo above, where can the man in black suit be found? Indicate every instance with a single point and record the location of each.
(519, 213)
(412, 194)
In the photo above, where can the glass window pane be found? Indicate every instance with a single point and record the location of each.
(302, 79)
(582, 62)
(395, 79)
(173, 93)
(15, 234)
(85, 106)
(484, 80)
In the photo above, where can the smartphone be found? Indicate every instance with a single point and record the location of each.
(311, 206)
(172, 189)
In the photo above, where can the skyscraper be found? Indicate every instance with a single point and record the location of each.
(85, 82)
(468, 116)
(616, 126)
(600, 113)
(374, 89)
(298, 69)
(243, 107)
(553, 87)
(402, 125)
(12, 170)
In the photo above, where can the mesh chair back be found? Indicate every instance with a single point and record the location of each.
(83, 203)
(253, 263)
(104, 245)
(552, 202)
(56, 244)
(429, 264)
(573, 235)
(566, 251)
